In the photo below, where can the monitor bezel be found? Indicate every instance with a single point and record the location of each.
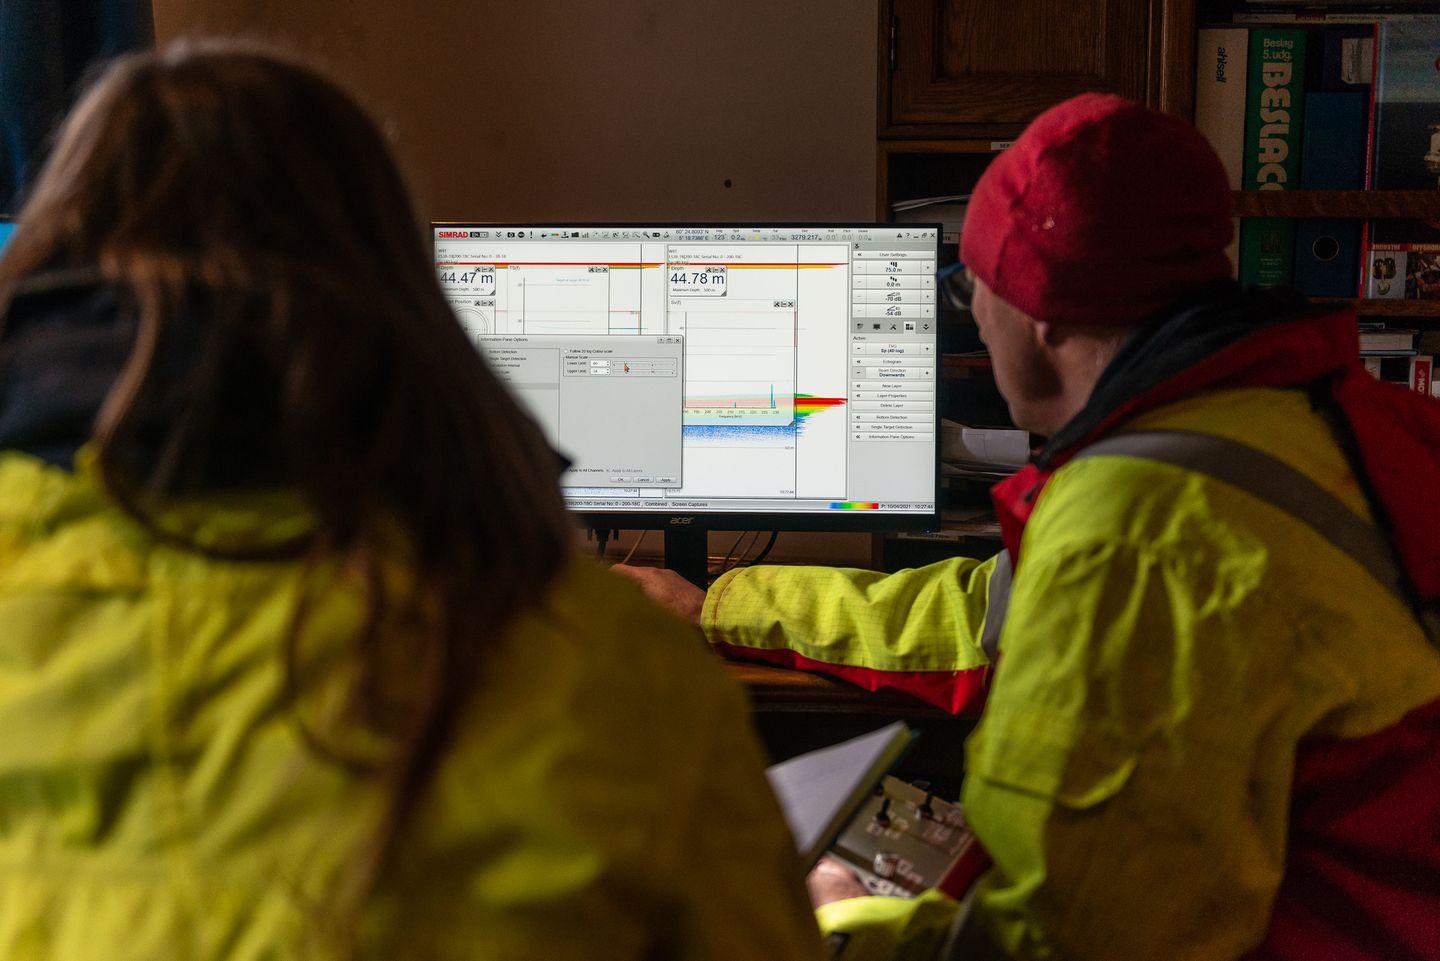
(830, 521)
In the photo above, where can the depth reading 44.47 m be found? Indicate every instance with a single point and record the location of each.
(474, 277)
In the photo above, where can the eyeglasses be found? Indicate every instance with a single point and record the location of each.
(957, 286)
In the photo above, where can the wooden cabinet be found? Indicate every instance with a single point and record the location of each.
(981, 68)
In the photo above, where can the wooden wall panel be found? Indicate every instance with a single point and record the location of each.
(1019, 37)
(979, 68)
(575, 109)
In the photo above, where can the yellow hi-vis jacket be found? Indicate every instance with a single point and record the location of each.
(1169, 642)
(603, 798)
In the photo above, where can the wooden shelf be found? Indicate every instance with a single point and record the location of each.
(1349, 204)
(774, 689)
(960, 146)
(1419, 310)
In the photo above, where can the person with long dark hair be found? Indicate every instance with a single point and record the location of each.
(295, 658)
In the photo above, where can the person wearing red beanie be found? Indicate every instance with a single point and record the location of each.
(1101, 214)
(1207, 663)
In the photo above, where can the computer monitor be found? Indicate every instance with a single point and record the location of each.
(7, 227)
(716, 376)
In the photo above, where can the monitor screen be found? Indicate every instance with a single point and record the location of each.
(7, 227)
(780, 372)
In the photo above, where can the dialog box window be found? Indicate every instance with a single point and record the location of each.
(614, 407)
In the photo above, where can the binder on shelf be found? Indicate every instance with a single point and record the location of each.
(1221, 60)
(1327, 257)
(1220, 78)
(1274, 116)
(1332, 157)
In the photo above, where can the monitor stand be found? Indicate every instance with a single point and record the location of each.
(687, 553)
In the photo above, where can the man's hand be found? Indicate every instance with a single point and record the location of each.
(667, 589)
(833, 881)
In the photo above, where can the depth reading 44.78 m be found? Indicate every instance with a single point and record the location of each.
(697, 281)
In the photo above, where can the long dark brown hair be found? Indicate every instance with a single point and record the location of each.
(290, 330)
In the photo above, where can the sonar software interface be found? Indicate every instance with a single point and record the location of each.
(714, 368)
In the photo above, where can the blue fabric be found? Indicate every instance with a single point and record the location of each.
(46, 47)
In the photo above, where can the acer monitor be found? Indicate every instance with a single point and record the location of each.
(716, 376)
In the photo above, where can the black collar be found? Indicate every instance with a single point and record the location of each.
(63, 342)
(1172, 342)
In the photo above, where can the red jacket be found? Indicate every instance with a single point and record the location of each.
(1362, 878)
(1362, 869)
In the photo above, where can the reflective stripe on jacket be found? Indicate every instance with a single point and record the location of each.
(603, 797)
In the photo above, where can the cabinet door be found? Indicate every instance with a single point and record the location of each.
(983, 63)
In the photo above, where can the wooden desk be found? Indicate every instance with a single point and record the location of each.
(795, 712)
(776, 690)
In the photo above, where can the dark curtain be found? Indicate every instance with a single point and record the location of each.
(46, 49)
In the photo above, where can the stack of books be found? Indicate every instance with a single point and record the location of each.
(1405, 357)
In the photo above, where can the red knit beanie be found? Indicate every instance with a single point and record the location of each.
(1102, 212)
